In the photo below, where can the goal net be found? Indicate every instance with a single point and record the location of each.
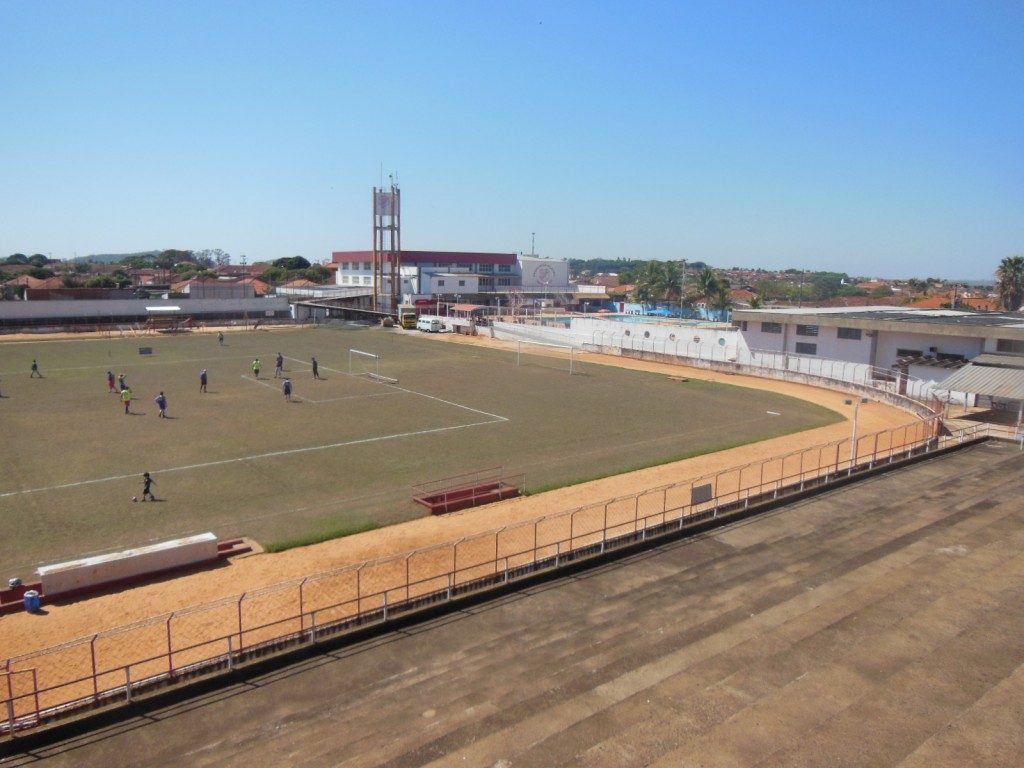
(561, 357)
(367, 364)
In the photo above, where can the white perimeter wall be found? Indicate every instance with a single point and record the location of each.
(153, 558)
(102, 310)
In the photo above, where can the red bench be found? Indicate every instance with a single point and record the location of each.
(454, 499)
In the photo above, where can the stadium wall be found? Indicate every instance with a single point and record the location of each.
(26, 313)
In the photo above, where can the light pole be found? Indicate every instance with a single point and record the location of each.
(682, 288)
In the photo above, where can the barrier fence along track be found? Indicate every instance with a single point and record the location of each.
(113, 666)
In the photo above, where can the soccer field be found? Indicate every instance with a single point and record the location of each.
(240, 460)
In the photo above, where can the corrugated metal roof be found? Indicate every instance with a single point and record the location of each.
(994, 381)
(999, 360)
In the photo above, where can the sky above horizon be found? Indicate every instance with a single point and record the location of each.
(877, 139)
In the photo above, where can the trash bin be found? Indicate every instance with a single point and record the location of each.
(32, 601)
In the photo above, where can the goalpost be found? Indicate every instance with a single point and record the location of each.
(366, 364)
(561, 352)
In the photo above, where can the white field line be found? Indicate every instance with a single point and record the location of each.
(418, 394)
(257, 456)
(277, 388)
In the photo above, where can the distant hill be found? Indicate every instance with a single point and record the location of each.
(113, 258)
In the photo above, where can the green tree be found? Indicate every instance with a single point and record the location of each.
(136, 261)
(101, 281)
(274, 275)
(1010, 283)
(292, 263)
(826, 285)
(167, 259)
(318, 273)
(707, 284)
(17, 258)
(722, 298)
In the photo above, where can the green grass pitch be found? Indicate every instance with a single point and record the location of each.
(239, 460)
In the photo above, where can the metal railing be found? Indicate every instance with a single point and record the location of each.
(114, 666)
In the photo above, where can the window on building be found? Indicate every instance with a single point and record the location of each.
(771, 327)
(344, 265)
(908, 353)
(367, 280)
(462, 283)
(367, 265)
(853, 334)
(486, 267)
(807, 330)
(504, 281)
(949, 356)
(743, 325)
(1010, 345)
(504, 267)
(440, 283)
(803, 348)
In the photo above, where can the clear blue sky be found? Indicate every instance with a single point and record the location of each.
(876, 138)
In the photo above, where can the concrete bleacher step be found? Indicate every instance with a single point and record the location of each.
(228, 548)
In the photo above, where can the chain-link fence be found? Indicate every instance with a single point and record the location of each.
(114, 665)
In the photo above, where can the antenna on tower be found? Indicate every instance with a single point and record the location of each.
(533, 243)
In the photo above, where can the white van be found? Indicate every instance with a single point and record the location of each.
(429, 324)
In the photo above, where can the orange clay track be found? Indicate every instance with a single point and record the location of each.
(23, 632)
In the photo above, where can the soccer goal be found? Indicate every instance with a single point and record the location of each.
(367, 364)
(558, 356)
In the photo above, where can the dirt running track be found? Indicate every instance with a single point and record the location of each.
(21, 632)
(875, 625)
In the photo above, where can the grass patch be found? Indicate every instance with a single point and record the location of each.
(317, 537)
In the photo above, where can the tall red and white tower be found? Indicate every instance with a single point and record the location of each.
(387, 248)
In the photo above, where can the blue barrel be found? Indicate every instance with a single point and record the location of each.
(32, 601)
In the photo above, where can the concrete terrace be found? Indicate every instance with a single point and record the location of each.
(878, 624)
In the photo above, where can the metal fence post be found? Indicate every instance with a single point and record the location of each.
(302, 604)
(231, 653)
(95, 681)
(128, 684)
(241, 639)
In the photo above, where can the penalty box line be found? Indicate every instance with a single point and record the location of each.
(495, 416)
(256, 456)
(275, 388)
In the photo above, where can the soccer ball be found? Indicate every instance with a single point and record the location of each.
(135, 498)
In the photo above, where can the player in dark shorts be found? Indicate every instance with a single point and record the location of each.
(316, 369)
(287, 389)
(147, 483)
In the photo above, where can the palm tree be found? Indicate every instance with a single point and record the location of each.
(707, 283)
(1010, 283)
(723, 295)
